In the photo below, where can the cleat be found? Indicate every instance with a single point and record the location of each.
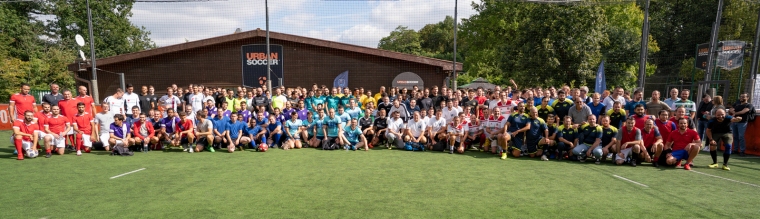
(597, 161)
(655, 164)
(79, 153)
(544, 158)
(48, 155)
(211, 149)
(713, 166)
(633, 162)
(503, 156)
(687, 167)
(726, 168)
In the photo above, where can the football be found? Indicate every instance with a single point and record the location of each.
(263, 147)
(31, 153)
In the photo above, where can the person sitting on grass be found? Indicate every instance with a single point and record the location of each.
(414, 131)
(119, 132)
(567, 137)
(436, 129)
(274, 132)
(220, 124)
(536, 135)
(517, 124)
(292, 132)
(652, 141)
(609, 137)
(308, 131)
(474, 132)
(682, 144)
(204, 132)
(235, 134)
(590, 139)
(352, 136)
(331, 126)
(456, 131)
(629, 140)
(185, 134)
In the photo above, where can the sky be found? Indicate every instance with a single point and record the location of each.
(359, 22)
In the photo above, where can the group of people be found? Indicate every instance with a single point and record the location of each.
(546, 123)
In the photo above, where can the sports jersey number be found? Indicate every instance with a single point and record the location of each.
(4, 116)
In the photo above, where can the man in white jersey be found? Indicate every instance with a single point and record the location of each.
(450, 111)
(196, 99)
(169, 101)
(116, 103)
(131, 99)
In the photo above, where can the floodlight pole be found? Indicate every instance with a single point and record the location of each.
(94, 80)
(454, 63)
(755, 56)
(713, 43)
(644, 47)
(269, 57)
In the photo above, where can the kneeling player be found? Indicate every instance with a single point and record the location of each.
(352, 136)
(144, 133)
(456, 130)
(25, 134)
(204, 132)
(536, 133)
(474, 133)
(629, 140)
(549, 144)
(652, 142)
(185, 133)
(119, 132)
(567, 137)
(413, 132)
(684, 144)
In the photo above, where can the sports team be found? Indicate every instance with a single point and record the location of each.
(543, 123)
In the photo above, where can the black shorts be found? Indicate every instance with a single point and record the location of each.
(202, 141)
(664, 157)
(532, 145)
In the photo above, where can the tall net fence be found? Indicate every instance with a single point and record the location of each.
(534, 43)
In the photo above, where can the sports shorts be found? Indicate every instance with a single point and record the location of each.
(104, 139)
(680, 154)
(532, 145)
(86, 140)
(626, 152)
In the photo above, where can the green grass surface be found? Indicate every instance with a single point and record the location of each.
(310, 183)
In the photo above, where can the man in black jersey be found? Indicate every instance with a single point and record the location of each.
(380, 126)
(366, 125)
(719, 130)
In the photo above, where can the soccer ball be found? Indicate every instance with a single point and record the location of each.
(31, 153)
(263, 147)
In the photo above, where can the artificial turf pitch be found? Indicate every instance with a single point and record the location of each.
(381, 183)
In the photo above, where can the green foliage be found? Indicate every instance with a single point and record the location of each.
(37, 52)
(403, 40)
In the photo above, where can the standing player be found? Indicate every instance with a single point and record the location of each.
(719, 130)
(20, 103)
(562, 106)
(682, 144)
(53, 97)
(56, 128)
(617, 115)
(147, 101)
(68, 108)
(169, 101)
(25, 134)
(83, 129)
(116, 102)
(131, 100)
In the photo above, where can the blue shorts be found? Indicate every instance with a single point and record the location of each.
(680, 154)
(517, 143)
(321, 138)
(352, 143)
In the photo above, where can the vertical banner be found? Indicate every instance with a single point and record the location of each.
(255, 65)
(601, 81)
(731, 55)
(341, 81)
(703, 53)
(756, 93)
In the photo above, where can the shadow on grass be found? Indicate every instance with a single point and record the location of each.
(7, 152)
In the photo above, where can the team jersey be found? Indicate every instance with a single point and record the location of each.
(131, 100)
(119, 131)
(544, 111)
(552, 129)
(449, 114)
(625, 136)
(720, 127)
(309, 125)
(650, 136)
(57, 124)
(68, 108)
(115, 105)
(495, 124)
(616, 117)
(169, 123)
(235, 128)
(344, 118)
(319, 123)
(83, 122)
(245, 114)
(608, 134)
(381, 123)
(596, 110)
(26, 128)
(395, 125)
(365, 122)
(689, 123)
(516, 122)
(506, 107)
(680, 140)
(473, 127)
(293, 126)
(333, 126)
(562, 107)
(436, 124)
(271, 127)
(416, 128)
(352, 134)
(641, 120)
(332, 102)
(22, 103)
(196, 101)
(220, 123)
(537, 128)
(185, 125)
(41, 117)
(302, 114)
(590, 134)
(169, 102)
(567, 133)
(88, 102)
(460, 128)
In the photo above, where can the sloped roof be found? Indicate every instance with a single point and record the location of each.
(444, 64)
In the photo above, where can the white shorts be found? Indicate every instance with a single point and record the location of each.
(71, 132)
(86, 140)
(59, 142)
(26, 144)
(41, 137)
(625, 152)
(104, 139)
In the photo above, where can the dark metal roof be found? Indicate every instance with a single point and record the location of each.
(446, 65)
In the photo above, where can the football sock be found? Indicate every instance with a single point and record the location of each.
(47, 151)
(714, 155)
(725, 158)
(19, 146)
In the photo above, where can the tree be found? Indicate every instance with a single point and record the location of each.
(403, 40)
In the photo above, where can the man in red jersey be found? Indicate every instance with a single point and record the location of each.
(83, 131)
(89, 103)
(25, 133)
(144, 133)
(21, 102)
(684, 144)
(652, 140)
(56, 128)
(69, 109)
(628, 140)
(664, 125)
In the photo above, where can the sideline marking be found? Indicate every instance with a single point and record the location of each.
(123, 174)
(750, 184)
(634, 182)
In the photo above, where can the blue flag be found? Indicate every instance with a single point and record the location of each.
(601, 82)
(342, 80)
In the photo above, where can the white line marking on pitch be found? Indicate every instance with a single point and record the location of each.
(750, 184)
(123, 174)
(634, 182)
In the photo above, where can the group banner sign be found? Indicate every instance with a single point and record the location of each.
(254, 60)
